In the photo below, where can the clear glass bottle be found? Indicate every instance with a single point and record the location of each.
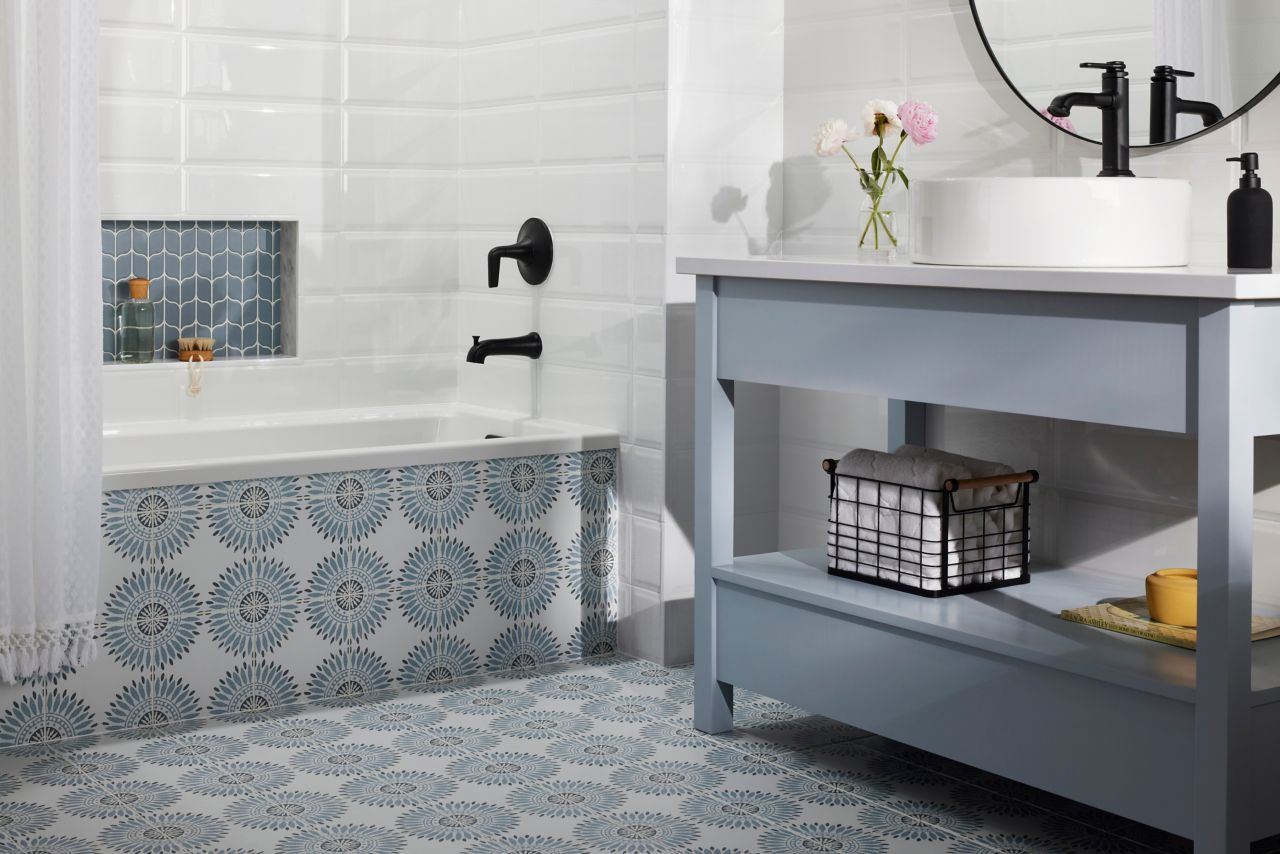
(136, 324)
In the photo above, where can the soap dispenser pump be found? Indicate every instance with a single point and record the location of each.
(1249, 219)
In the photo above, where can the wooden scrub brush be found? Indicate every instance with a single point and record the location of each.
(195, 349)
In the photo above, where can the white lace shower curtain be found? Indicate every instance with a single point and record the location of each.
(50, 335)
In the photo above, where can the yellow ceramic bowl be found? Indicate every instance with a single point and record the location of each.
(1171, 597)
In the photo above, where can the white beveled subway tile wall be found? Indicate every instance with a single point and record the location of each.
(341, 114)
(724, 198)
(1116, 499)
(563, 116)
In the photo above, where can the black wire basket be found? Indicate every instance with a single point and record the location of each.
(930, 542)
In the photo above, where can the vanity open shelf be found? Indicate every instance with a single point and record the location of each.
(1020, 621)
(1184, 741)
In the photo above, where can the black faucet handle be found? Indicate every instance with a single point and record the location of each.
(533, 250)
(497, 253)
(475, 339)
(1115, 66)
(1167, 71)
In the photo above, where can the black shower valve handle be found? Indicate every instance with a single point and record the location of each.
(517, 251)
(533, 250)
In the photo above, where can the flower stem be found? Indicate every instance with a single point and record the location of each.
(894, 158)
(849, 153)
(887, 232)
(862, 238)
(875, 221)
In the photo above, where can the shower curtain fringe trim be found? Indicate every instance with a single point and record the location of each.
(46, 651)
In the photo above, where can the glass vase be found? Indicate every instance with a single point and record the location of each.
(881, 220)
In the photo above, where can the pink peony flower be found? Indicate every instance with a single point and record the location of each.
(919, 121)
(1061, 121)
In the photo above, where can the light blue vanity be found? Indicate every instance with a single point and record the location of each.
(997, 679)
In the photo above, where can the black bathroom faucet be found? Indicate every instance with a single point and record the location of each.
(529, 346)
(1166, 106)
(1113, 100)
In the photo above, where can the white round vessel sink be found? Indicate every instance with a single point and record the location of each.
(1051, 222)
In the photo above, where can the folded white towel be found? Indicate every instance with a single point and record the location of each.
(975, 467)
(1001, 535)
(915, 470)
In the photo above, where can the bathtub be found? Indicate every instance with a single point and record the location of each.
(252, 564)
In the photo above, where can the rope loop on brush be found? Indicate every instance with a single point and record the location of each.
(195, 376)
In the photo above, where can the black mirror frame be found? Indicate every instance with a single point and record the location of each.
(1249, 105)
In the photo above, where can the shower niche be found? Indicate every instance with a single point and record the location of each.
(234, 281)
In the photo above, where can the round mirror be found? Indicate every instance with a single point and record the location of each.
(1191, 64)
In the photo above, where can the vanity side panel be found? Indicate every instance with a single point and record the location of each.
(1034, 724)
(1105, 359)
(1264, 748)
(1264, 335)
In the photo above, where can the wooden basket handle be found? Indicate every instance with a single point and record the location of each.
(1028, 476)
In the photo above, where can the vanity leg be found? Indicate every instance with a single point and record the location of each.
(1222, 817)
(906, 424)
(713, 513)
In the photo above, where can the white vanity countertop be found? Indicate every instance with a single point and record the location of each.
(1195, 282)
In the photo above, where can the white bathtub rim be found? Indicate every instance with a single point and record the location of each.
(325, 416)
(552, 438)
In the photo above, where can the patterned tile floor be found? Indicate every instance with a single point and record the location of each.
(597, 756)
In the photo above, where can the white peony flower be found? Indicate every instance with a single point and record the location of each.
(832, 135)
(879, 106)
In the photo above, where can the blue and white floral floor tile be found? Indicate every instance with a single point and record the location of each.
(593, 757)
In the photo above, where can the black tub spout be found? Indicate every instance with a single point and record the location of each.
(529, 346)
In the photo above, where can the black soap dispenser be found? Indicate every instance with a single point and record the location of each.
(1249, 219)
